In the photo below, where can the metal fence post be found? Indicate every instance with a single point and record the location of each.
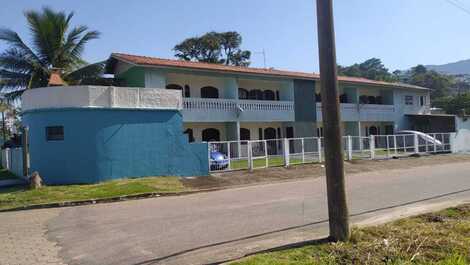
(349, 144)
(319, 149)
(250, 156)
(266, 153)
(416, 143)
(229, 156)
(372, 146)
(388, 146)
(303, 151)
(7, 158)
(395, 144)
(435, 143)
(286, 152)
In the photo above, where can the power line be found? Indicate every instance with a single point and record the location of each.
(458, 5)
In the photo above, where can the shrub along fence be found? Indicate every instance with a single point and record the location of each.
(255, 154)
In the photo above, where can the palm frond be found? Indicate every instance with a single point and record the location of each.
(15, 60)
(77, 51)
(14, 95)
(14, 40)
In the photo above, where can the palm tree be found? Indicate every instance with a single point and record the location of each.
(54, 45)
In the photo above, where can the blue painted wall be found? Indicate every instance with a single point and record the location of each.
(105, 144)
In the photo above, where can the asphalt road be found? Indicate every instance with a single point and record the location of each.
(162, 230)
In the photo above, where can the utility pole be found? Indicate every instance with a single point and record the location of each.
(337, 203)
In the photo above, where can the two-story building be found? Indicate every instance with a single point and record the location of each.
(240, 103)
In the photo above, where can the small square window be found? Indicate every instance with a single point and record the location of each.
(409, 100)
(55, 133)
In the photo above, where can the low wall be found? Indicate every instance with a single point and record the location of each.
(462, 141)
(109, 143)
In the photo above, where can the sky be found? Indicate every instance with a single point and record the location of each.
(403, 33)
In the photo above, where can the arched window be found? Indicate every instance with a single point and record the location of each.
(210, 135)
(269, 133)
(187, 91)
(242, 93)
(189, 132)
(245, 134)
(209, 92)
(269, 95)
(373, 130)
(255, 94)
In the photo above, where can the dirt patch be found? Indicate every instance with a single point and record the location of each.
(275, 174)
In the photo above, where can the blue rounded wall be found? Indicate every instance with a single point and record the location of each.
(105, 144)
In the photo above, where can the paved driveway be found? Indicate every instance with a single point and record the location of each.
(210, 227)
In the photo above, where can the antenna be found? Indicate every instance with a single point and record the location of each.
(263, 52)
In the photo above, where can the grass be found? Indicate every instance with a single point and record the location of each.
(441, 238)
(5, 174)
(20, 196)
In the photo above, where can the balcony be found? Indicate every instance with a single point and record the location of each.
(363, 112)
(223, 110)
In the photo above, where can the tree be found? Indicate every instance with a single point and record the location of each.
(214, 47)
(372, 69)
(54, 45)
(439, 84)
(458, 104)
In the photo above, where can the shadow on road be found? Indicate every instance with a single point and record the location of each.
(299, 244)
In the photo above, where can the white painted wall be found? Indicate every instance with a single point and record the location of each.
(462, 141)
(101, 97)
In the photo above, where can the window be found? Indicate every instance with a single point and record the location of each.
(55, 133)
(187, 91)
(175, 87)
(320, 132)
(209, 92)
(422, 100)
(269, 95)
(343, 98)
(242, 93)
(245, 134)
(408, 100)
(210, 135)
(255, 94)
(278, 96)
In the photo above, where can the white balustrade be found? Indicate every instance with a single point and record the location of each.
(232, 105)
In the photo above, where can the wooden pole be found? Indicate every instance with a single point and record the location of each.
(337, 203)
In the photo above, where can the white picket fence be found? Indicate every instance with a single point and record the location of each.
(238, 155)
(12, 160)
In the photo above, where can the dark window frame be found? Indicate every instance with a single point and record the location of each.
(55, 133)
(209, 92)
